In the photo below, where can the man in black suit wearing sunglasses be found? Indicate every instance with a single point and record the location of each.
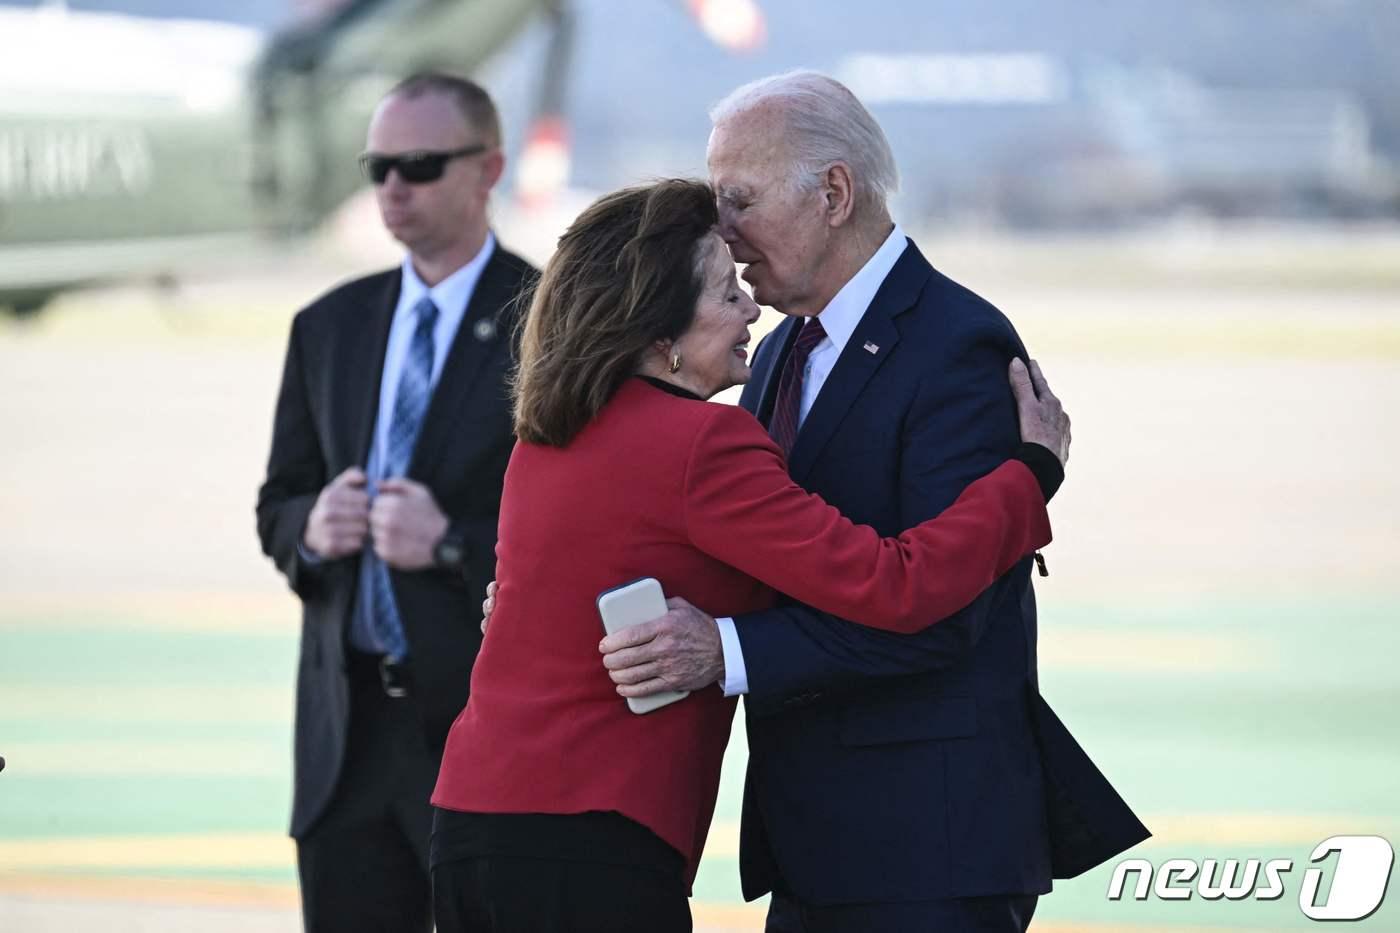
(390, 441)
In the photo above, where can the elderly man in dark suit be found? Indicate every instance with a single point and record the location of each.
(390, 442)
(895, 783)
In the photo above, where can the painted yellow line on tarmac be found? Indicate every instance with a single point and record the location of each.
(1236, 338)
(214, 704)
(709, 917)
(1240, 830)
(260, 611)
(1232, 834)
(1069, 648)
(231, 851)
(1077, 926)
(727, 918)
(151, 890)
(264, 850)
(723, 840)
(176, 758)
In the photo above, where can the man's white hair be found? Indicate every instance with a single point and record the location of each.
(826, 124)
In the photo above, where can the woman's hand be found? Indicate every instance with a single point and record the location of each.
(487, 605)
(1043, 418)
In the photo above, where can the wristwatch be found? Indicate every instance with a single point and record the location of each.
(450, 553)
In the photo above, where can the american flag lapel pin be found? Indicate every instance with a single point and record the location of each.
(871, 347)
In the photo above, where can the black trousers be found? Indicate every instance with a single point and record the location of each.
(595, 872)
(1011, 914)
(364, 864)
(511, 894)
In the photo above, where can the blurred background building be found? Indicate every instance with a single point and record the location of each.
(165, 121)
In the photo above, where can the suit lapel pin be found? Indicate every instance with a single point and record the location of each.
(484, 330)
(872, 348)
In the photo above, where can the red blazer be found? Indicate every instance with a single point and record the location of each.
(697, 495)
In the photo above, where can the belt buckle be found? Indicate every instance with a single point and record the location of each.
(392, 677)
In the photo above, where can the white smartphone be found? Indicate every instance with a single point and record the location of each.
(632, 604)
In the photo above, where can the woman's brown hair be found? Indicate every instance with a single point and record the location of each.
(626, 274)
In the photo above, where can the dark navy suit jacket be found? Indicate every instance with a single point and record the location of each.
(891, 767)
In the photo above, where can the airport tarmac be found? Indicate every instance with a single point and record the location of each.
(1217, 628)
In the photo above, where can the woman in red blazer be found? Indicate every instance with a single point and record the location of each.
(560, 809)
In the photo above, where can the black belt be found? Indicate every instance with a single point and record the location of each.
(393, 675)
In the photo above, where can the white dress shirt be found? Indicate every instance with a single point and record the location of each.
(839, 319)
(451, 296)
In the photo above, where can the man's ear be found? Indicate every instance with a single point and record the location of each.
(840, 193)
(493, 166)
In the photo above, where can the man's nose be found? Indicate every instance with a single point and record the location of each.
(394, 186)
(726, 225)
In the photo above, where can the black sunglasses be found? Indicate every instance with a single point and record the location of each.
(415, 168)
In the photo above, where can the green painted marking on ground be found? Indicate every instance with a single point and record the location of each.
(1311, 734)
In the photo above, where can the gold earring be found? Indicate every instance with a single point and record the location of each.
(675, 363)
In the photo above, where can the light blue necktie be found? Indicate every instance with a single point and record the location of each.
(410, 405)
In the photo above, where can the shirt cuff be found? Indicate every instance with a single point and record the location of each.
(736, 676)
(308, 557)
(1049, 472)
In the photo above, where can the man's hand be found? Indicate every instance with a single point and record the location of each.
(339, 520)
(1043, 418)
(405, 523)
(679, 651)
(488, 605)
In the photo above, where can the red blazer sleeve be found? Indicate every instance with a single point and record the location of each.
(743, 508)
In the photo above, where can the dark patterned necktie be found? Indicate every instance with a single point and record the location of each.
(786, 409)
(410, 405)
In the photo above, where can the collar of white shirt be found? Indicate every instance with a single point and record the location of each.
(839, 319)
(451, 296)
(841, 315)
